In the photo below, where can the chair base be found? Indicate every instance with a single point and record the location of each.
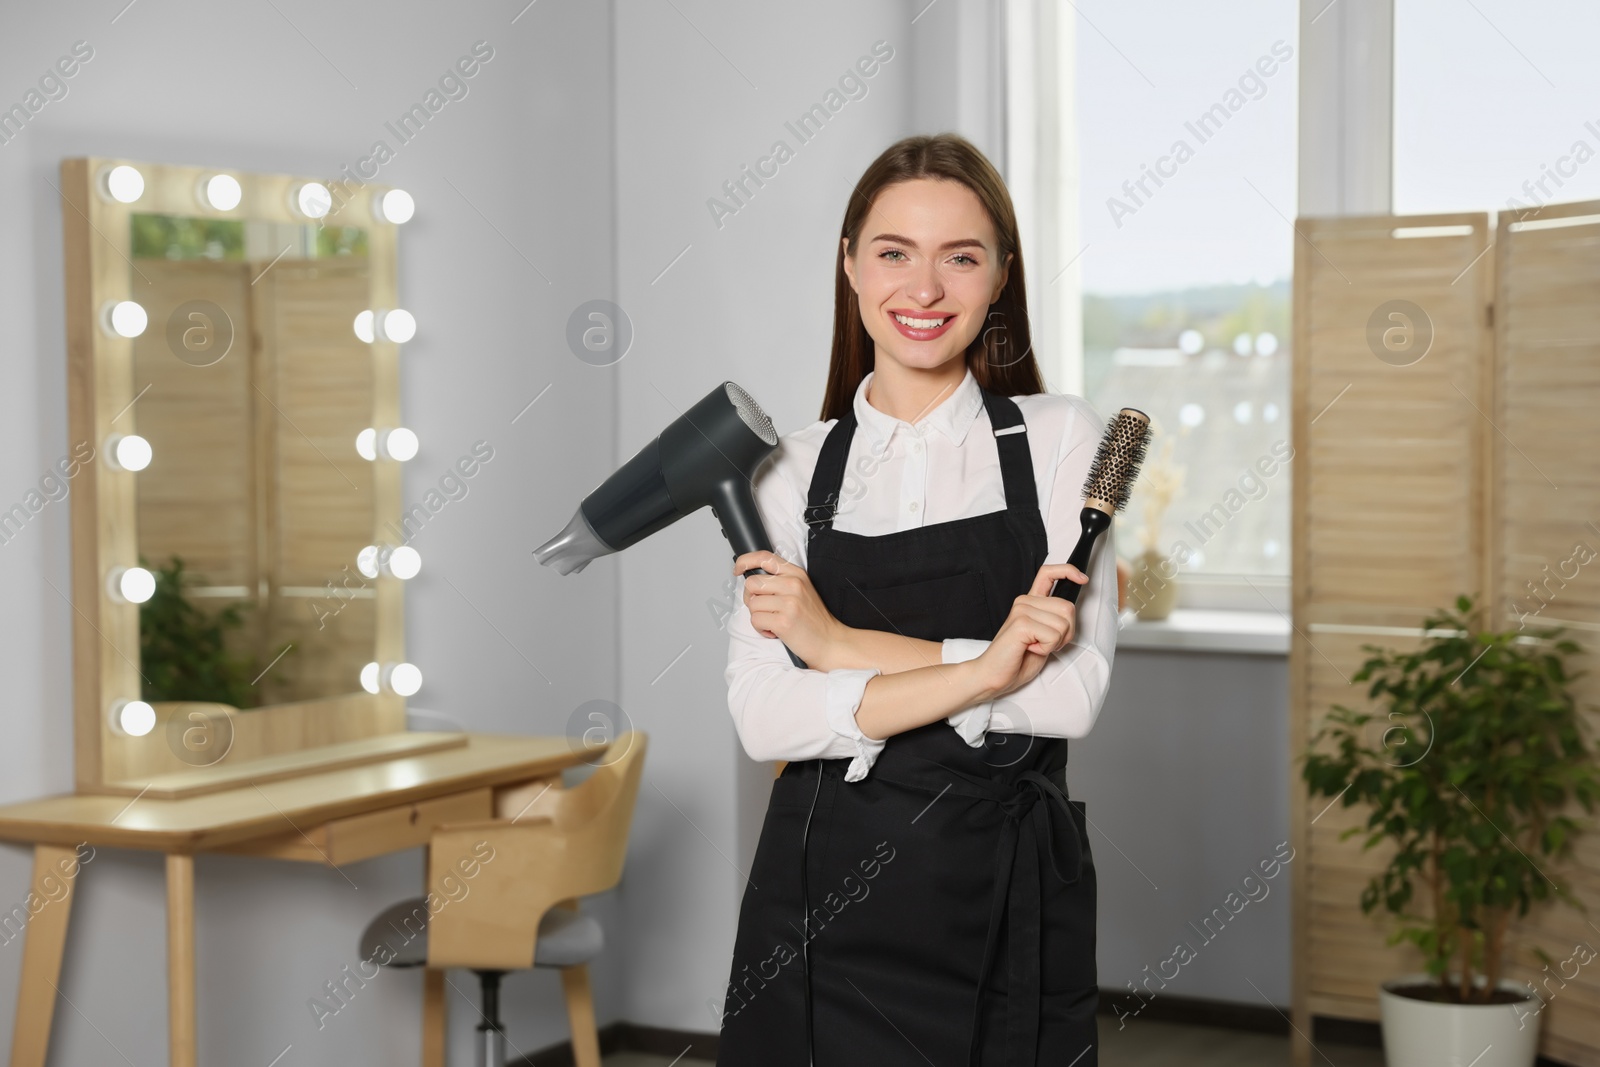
(491, 1046)
(490, 1038)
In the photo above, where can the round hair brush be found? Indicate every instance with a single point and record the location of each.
(1106, 490)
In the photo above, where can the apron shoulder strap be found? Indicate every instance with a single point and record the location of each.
(1016, 458)
(822, 499)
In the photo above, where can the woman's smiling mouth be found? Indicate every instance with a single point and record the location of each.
(921, 325)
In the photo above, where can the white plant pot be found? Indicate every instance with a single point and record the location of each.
(1420, 1033)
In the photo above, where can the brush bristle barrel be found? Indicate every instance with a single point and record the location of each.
(1116, 464)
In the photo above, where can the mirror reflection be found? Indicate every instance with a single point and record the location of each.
(252, 387)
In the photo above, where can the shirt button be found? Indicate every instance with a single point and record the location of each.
(917, 447)
(912, 505)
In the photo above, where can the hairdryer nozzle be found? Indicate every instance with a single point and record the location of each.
(571, 550)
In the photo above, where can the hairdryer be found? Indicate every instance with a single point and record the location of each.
(707, 456)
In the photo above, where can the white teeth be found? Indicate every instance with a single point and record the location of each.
(920, 324)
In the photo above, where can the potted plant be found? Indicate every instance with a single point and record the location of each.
(1480, 751)
(183, 652)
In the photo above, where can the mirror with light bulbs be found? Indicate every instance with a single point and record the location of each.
(233, 344)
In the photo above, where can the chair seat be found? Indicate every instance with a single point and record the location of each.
(566, 937)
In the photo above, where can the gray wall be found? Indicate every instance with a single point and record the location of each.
(1185, 780)
(530, 147)
(751, 301)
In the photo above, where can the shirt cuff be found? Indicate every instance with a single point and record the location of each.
(845, 688)
(970, 723)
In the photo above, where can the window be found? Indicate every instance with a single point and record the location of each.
(1495, 104)
(1184, 119)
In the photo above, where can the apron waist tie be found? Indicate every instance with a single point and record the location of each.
(1019, 865)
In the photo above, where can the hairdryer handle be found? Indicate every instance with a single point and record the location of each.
(734, 505)
(735, 508)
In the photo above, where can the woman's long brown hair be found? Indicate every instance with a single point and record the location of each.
(1001, 356)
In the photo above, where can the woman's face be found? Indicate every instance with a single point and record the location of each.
(925, 271)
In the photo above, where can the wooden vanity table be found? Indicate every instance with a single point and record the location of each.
(239, 558)
(333, 818)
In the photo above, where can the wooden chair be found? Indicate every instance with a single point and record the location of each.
(504, 895)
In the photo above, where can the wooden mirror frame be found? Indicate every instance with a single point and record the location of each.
(255, 744)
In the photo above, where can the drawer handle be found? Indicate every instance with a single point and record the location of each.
(414, 814)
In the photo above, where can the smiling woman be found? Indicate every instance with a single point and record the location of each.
(917, 598)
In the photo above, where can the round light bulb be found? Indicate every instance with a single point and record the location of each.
(369, 678)
(367, 561)
(133, 717)
(405, 678)
(396, 206)
(400, 444)
(223, 192)
(364, 328)
(132, 585)
(313, 200)
(126, 318)
(399, 326)
(124, 184)
(128, 452)
(405, 562)
(367, 443)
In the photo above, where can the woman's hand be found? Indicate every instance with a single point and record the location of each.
(1038, 626)
(784, 604)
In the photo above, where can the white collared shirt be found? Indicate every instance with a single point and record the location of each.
(899, 476)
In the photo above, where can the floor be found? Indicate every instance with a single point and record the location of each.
(1149, 1044)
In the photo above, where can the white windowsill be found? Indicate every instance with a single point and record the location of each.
(1200, 630)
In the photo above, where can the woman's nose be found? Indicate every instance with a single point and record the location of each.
(926, 287)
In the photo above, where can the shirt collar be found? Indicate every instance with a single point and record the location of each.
(952, 416)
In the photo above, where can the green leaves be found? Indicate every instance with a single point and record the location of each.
(1477, 748)
(183, 650)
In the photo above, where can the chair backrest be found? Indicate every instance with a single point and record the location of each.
(491, 881)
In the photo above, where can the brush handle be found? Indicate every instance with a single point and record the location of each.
(1095, 522)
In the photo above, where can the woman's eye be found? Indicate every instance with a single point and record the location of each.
(891, 252)
(964, 259)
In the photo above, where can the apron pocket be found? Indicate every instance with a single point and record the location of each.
(917, 608)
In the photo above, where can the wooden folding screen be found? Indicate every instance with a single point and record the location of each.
(1544, 538)
(1426, 436)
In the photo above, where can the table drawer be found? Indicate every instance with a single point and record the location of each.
(374, 833)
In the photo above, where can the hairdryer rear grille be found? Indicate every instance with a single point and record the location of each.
(751, 413)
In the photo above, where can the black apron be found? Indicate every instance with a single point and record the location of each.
(952, 890)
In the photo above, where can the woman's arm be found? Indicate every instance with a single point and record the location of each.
(894, 703)
(891, 653)
(859, 688)
(786, 712)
